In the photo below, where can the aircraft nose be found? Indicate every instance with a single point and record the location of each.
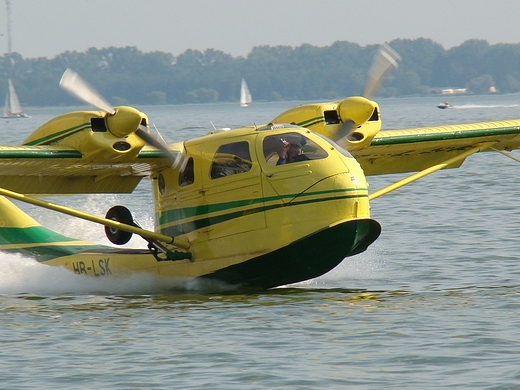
(353, 196)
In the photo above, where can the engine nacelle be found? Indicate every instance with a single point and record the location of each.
(329, 119)
(364, 114)
(361, 137)
(97, 135)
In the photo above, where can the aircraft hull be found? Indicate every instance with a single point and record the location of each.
(310, 256)
(304, 259)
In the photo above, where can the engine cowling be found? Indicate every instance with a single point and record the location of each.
(366, 122)
(97, 135)
(329, 119)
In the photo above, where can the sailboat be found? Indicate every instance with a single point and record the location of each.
(245, 95)
(12, 108)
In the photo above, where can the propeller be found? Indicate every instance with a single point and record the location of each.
(359, 109)
(158, 142)
(121, 121)
(385, 61)
(77, 87)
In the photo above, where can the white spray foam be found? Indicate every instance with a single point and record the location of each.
(21, 275)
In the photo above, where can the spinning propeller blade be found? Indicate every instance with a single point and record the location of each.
(76, 86)
(79, 88)
(385, 60)
(346, 130)
(157, 142)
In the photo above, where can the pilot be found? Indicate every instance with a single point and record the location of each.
(291, 152)
(294, 153)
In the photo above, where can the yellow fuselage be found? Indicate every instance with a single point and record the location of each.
(249, 217)
(230, 219)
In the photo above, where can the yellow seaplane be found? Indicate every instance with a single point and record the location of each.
(258, 206)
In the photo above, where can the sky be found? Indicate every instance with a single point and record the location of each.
(46, 28)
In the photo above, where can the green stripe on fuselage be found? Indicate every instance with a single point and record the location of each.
(41, 243)
(30, 235)
(48, 252)
(204, 219)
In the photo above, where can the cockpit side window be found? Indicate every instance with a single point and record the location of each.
(231, 159)
(289, 148)
(187, 174)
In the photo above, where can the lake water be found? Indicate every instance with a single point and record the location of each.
(433, 303)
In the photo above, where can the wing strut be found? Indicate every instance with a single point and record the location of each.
(427, 171)
(506, 154)
(146, 234)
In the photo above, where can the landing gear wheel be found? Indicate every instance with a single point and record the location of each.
(123, 215)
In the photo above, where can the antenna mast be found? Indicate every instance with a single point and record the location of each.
(9, 45)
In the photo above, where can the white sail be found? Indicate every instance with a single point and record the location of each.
(12, 108)
(16, 109)
(245, 95)
(7, 107)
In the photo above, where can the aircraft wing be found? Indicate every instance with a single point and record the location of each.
(411, 150)
(63, 170)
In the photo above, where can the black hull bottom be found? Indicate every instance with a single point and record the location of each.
(304, 259)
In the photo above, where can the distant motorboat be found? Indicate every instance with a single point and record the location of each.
(245, 95)
(12, 108)
(444, 105)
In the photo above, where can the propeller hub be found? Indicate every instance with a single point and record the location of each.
(124, 121)
(356, 109)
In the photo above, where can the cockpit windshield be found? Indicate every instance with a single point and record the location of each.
(340, 149)
(290, 148)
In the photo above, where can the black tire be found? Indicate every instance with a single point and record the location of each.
(123, 215)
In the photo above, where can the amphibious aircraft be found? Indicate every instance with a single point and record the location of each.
(258, 206)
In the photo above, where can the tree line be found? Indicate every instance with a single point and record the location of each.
(129, 76)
